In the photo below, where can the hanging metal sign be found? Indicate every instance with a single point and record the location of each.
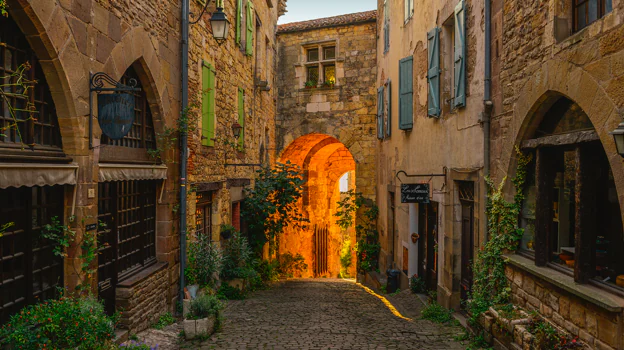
(115, 107)
(415, 193)
(115, 114)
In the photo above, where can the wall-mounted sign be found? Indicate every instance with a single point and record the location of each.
(415, 193)
(90, 227)
(115, 114)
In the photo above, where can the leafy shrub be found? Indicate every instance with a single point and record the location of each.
(268, 270)
(345, 258)
(417, 285)
(290, 265)
(204, 306)
(435, 312)
(164, 320)
(135, 345)
(66, 323)
(227, 292)
(204, 261)
(237, 258)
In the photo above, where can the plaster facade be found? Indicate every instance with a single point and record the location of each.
(454, 141)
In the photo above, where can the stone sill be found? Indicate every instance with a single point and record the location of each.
(322, 88)
(592, 294)
(143, 274)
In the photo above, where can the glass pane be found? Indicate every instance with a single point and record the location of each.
(593, 10)
(329, 53)
(313, 55)
(564, 212)
(527, 216)
(313, 74)
(330, 74)
(580, 17)
(608, 6)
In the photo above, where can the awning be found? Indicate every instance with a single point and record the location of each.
(128, 172)
(29, 175)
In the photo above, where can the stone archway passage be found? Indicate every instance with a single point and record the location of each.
(324, 161)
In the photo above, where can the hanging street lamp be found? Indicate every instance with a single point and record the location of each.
(220, 25)
(618, 136)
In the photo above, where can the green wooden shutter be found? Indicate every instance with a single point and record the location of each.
(241, 117)
(250, 28)
(380, 109)
(388, 99)
(239, 20)
(459, 99)
(433, 72)
(208, 105)
(406, 93)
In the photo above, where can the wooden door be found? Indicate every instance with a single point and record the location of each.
(467, 249)
(427, 244)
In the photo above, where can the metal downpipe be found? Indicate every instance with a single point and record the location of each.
(183, 142)
(487, 100)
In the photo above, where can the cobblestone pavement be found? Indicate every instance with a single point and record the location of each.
(325, 314)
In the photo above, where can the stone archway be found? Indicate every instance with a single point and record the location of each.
(324, 160)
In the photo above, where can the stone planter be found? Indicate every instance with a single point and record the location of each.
(198, 328)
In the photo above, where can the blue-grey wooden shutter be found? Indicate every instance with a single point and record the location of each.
(459, 99)
(433, 72)
(380, 114)
(388, 108)
(406, 93)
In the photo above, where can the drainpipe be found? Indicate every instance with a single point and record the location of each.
(183, 143)
(487, 101)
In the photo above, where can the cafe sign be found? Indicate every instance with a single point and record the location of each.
(115, 114)
(415, 193)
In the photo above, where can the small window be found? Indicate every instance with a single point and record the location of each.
(313, 55)
(329, 73)
(329, 53)
(589, 11)
(313, 74)
(409, 9)
(203, 210)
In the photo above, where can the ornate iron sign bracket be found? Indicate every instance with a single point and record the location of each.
(444, 169)
(97, 83)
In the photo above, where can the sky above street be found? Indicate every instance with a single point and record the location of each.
(303, 10)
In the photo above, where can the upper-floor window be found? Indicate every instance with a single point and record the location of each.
(321, 65)
(386, 26)
(589, 11)
(27, 114)
(409, 9)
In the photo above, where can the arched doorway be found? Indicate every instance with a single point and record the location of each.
(329, 171)
(571, 213)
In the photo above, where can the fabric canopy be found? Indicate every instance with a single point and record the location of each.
(127, 172)
(29, 175)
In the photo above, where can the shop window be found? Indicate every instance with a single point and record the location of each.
(320, 65)
(203, 210)
(127, 242)
(571, 214)
(27, 116)
(141, 134)
(31, 272)
(585, 12)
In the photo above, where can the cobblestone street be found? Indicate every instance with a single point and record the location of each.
(326, 314)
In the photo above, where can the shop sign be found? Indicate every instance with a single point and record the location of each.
(115, 114)
(415, 193)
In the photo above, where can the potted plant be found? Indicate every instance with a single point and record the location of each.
(202, 316)
(310, 84)
(330, 82)
(190, 273)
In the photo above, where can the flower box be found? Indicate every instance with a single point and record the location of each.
(198, 328)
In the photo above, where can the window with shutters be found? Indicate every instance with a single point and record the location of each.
(241, 118)
(386, 26)
(585, 12)
(27, 118)
(459, 56)
(451, 46)
(433, 73)
(409, 9)
(208, 133)
(380, 113)
(250, 17)
(406, 93)
(388, 108)
(239, 20)
(320, 64)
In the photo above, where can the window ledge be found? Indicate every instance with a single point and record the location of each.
(143, 274)
(592, 294)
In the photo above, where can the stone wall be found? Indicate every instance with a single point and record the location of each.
(141, 300)
(234, 70)
(73, 38)
(327, 131)
(594, 325)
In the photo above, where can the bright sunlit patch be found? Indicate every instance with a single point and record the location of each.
(392, 309)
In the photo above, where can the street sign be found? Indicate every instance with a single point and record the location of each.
(116, 114)
(415, 193)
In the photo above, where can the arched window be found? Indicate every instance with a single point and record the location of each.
(142, 133)
(27, 115)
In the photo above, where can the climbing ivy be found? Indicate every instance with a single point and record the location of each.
(491, 286)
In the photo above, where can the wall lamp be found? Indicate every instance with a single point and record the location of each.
(618, 136)
(218, 21)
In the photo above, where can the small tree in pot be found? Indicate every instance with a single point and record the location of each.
(203, 316)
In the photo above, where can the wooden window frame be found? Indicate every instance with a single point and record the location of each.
(204, 204)
(602, 11)
(321, 61)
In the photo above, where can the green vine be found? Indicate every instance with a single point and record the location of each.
(168, 139)
(17, 87)
(491, 286)
(356, 208)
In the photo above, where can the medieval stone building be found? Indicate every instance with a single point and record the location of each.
(57, 167)
(325, 124)
(559, 77)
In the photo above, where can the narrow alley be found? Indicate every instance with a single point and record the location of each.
(326, 314)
